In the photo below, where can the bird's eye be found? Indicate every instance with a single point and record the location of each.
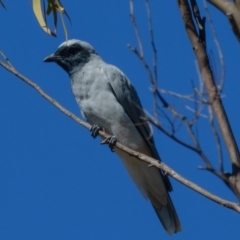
(72, 51)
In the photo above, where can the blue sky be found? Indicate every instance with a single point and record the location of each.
(56, 182)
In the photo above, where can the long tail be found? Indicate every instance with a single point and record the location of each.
(168, 217)
(153, 186)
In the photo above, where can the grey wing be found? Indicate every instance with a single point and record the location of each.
(127, 96)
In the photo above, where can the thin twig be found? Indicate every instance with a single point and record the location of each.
(217, 173)
(154, 58)
(171, 135)
(217, 139)
(131, 6)
(146, 66)
(219, 49)
(6, 58)
(170, 122)
(197, 147)
(188, 97)
(140, 53)
(152, 40)
(197, 110)
(200, 21)
(196, 116)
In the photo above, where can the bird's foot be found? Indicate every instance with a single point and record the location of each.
(111, 141)
(95, 130)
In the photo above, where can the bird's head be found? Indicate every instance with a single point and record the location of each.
(72, 54)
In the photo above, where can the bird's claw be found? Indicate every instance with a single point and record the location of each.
(94, 130)
(111, 141)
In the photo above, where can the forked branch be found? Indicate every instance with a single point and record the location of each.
(213, 94)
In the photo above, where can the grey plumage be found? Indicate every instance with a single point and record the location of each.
(108, 99)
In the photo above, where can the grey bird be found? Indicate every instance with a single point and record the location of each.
(107, 99)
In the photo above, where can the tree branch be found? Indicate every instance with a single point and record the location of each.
(140, 53)
(232, 11)
(219, 50)
(213, 94)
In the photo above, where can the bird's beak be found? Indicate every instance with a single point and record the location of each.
(52, 58)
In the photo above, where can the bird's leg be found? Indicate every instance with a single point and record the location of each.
(111, 141)
(94, 130)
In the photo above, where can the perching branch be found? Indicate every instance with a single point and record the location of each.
(139, 156)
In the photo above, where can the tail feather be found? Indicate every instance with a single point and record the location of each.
(168, 217)
(153, 186)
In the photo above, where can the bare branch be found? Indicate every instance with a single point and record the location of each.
(170, 134)
(152, 42)
(232, 11)
(6, 58)
(188, 97)
(213, 94)
(220, 54)
(154, 86)
(196, 145)
(150, 75)
(217, 138)
(200, 21)
(141, 53)
(145, 64)
(196, 115)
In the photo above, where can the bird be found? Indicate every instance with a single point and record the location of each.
(108, 101)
